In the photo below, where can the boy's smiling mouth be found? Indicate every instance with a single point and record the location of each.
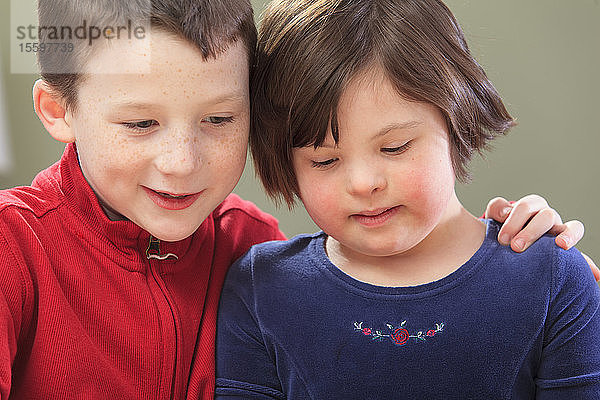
(172, 201)
(173, 196)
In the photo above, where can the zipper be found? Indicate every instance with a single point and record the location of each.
(153, 250)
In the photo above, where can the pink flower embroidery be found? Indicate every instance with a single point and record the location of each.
(399, 336)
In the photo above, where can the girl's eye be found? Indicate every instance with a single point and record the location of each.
(396, 150)
(140, 126)
(218, 120)
(323, 164)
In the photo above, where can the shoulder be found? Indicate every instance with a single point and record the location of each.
(536, 263)
(236, 210)
(286, 251)
(278, 263)
(23, 217)
(542, 267)
(39, 198)
(241, 224)
(572, 276)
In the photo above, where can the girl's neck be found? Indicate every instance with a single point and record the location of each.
(454, 240)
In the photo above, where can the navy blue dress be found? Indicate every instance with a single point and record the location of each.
(504, 325)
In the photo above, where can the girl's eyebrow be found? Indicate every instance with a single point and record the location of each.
(383, 131)
(397, 126)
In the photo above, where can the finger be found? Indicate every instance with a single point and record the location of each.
(568, 233)
(593, 266)
(498, 209)
(539, 224)
(521, 212)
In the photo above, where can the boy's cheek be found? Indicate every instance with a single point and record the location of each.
(234, 145)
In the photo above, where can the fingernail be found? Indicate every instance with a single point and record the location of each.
(566, 240)
(506, 211)
(504, 238)
(519, 244)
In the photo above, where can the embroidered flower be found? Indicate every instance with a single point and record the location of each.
(398, 335)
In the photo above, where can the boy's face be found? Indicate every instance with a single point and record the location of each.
(389, 181)
(163, 148)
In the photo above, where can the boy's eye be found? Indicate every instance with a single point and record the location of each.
(323, 164)
(140, 125)
(396, 150)
(218, 120)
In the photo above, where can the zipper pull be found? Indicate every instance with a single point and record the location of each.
(153, 250)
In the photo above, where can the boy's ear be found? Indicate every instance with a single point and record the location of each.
(52, 113)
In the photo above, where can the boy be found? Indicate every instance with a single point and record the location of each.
(367, 111)
(113, 260)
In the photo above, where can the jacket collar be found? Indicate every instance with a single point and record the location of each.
(124, 238)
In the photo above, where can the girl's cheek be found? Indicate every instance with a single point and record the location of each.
(429, 184)
(417, 183)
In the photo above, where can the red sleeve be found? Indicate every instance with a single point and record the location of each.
(239, 225)
(14, 296)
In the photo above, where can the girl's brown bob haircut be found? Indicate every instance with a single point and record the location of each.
(309, 50)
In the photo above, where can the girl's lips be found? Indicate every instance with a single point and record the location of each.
(169, 202)
(376, 217)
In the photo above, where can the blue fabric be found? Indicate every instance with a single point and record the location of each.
(503, 326)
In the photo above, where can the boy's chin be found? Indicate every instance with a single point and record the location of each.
(170, 231)
(171, 236)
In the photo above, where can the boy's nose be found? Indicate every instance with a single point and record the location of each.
(365, 180)
(178, 155)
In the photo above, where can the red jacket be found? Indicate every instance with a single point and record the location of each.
(85, 314)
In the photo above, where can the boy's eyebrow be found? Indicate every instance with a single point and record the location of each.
(397, 125)
(134, 105)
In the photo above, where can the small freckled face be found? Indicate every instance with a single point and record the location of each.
(163, 148)
(387, 184)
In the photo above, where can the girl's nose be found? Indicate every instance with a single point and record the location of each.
(364, 179)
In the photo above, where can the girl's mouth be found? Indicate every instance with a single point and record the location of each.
(376, 217)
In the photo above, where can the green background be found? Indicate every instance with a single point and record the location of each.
(543, 57)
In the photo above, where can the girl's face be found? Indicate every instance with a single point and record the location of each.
(388, 183)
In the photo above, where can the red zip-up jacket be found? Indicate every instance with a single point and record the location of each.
(86, 314)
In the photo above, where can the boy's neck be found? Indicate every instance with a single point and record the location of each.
(455, 239)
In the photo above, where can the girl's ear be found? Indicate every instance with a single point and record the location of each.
(52, 113)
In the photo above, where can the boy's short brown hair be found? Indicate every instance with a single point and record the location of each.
(308, 51)
(210, 25)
